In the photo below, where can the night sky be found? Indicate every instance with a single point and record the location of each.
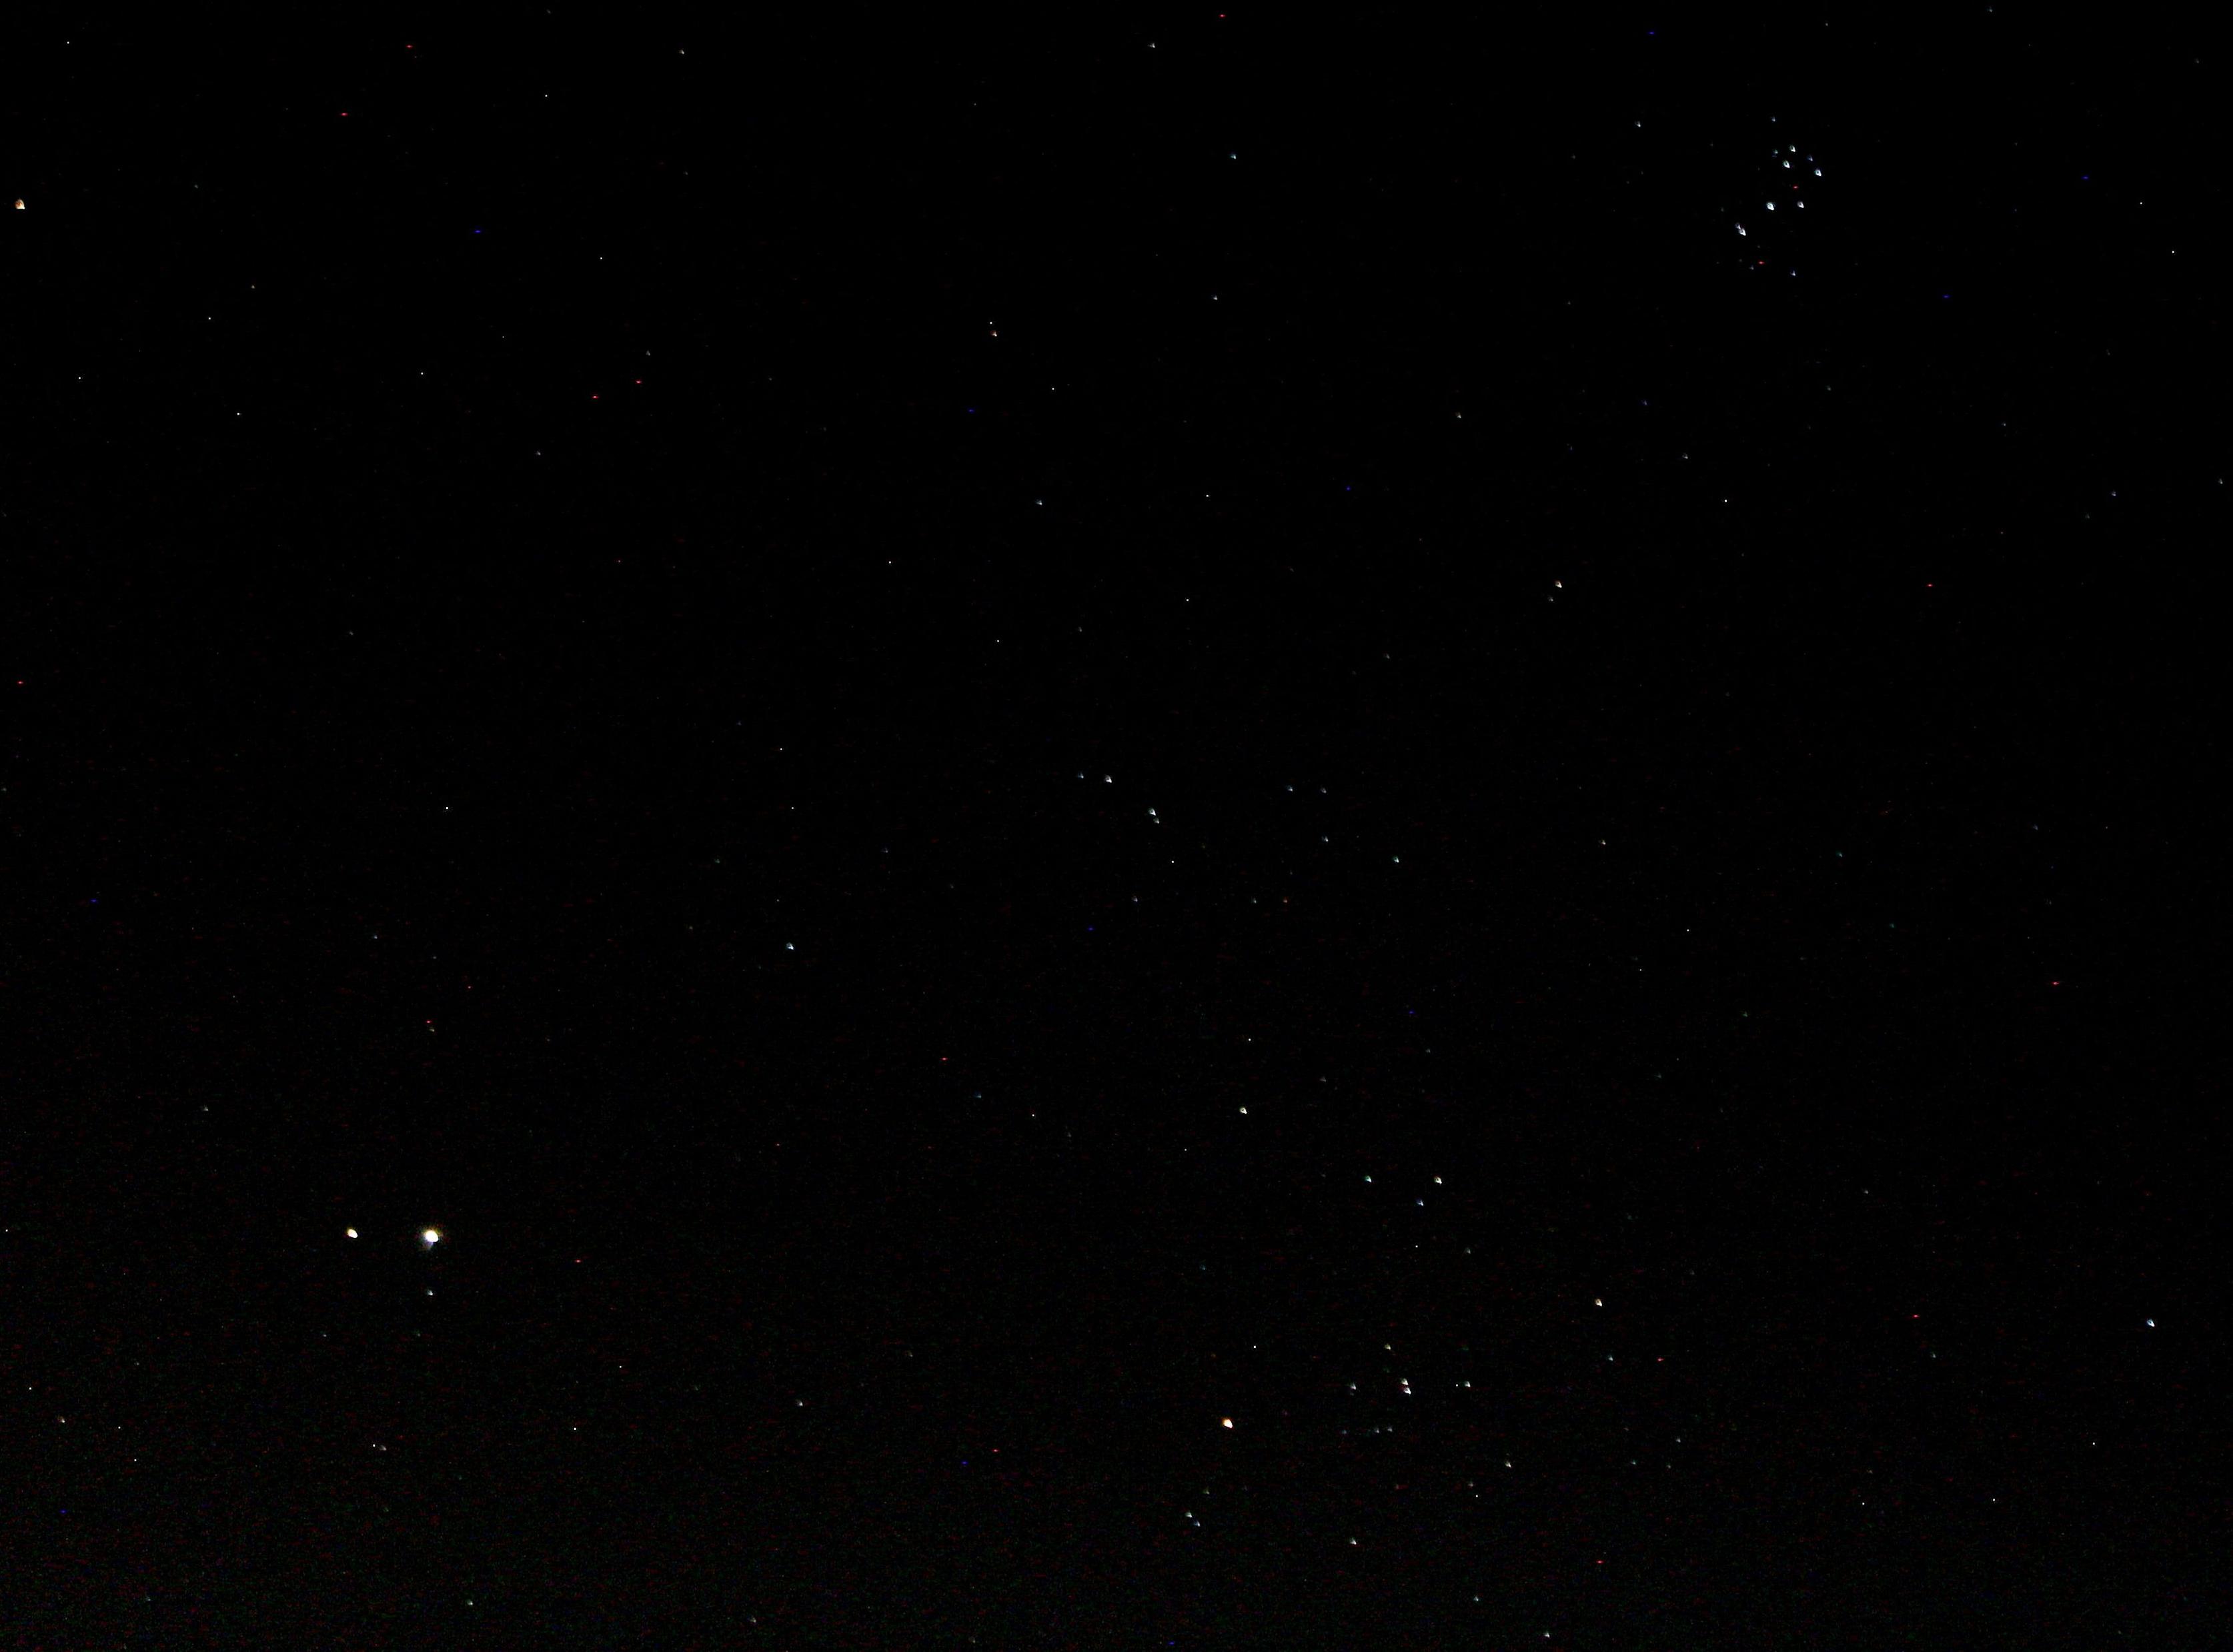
(1231, 830)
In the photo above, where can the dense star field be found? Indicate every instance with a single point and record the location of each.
(1210, 832)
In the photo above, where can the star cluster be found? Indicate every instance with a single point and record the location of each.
(1187, 835)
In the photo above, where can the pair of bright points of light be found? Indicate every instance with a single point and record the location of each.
(428, 1237)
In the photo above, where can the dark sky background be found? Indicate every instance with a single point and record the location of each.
(1181, 833)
